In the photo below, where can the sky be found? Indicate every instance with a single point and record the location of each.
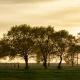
(60, 14)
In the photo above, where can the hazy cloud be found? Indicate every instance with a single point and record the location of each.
(24, 1)
(62, 14)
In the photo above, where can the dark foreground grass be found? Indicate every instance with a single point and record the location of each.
(40, 74)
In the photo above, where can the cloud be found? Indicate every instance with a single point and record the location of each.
(54, 13)
(62, 14)
(24, 1)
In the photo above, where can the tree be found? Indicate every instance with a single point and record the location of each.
(5, 48)
(77, 46)
(42, 42)
(62, 41)
(71, 53)
(20, 41)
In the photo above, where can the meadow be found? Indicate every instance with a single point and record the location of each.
(39, 73)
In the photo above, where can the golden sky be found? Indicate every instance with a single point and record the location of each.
(62, 14)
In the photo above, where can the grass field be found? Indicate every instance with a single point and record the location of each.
(39, 73)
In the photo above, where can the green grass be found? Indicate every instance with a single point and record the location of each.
(39, 73)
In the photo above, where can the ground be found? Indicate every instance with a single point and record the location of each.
(39, 73)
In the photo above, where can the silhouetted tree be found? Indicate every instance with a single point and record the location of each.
(62, 41)
(71, 53)
(42, 42)
(5, 48)
(21, 41)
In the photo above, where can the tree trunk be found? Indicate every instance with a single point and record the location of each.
(48, 63)
(59, 66)
(77, 59)
(72, 60)
(26, 60)
(72, 63)
(45, 65)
